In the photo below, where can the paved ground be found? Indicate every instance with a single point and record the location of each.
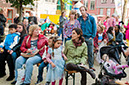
(78, 77)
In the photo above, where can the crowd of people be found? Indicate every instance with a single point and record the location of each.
(82, 37)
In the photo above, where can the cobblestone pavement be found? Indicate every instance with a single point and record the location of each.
(77, 78)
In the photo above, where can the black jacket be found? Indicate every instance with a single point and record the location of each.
(2, 20)
(16, 48)
(33, 20)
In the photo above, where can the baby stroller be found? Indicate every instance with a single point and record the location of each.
(106, 75)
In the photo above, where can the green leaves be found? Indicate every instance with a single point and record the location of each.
(16, 3)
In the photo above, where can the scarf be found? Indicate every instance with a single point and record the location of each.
(78, 43)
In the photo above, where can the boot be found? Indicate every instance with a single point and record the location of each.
(89, 71)
(13, 83)
(47, 83)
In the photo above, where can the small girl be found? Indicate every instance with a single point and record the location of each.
(56, 66)
(113, 65)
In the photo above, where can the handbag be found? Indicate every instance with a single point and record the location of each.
(21, 75)
(33, 54)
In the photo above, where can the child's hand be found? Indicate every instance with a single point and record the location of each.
(1, 50)
(105, 41)
(65, 58)
(45, 61)
(8, 51)
(11, 51)
(53, 65)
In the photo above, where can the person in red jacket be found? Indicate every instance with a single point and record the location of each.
(31, 42)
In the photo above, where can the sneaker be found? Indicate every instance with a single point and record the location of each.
(10, 78)
(47, 83)
(14, 82)
(38, 82)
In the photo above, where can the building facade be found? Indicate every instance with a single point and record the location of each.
(100, 8)
(9, 12)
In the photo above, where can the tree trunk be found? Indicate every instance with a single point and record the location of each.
(20, 13)
(62, 5)
(124, 10)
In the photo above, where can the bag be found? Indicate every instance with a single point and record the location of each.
(21, 75)
(33, 54)
(30, 55)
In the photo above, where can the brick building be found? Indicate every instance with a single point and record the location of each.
(9, 12)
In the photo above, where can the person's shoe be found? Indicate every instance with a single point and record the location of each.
(47, 83)
(38, 82)
(14, 82)
(10, 78)
(92, 68)
(90, 72)
(24, 84)
(2, 75)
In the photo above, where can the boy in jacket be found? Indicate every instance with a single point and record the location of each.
(5, 48)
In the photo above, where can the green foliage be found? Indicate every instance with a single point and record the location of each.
(16, 3)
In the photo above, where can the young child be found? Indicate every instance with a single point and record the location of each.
(43, 64)
(56, 66)
(5, 48)
(113, 65)
(11, 39)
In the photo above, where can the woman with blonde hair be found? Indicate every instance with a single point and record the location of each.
(31, 43)
(70, 25)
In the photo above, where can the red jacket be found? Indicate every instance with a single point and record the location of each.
(96, 39)
(42, 41)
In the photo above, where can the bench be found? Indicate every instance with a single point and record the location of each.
(68, 74)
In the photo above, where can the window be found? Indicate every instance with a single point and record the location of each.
(10, 15)
(112, 1)
(108, 12)
(92, 5)
(86, 3)
(103, 1)
(101, 11)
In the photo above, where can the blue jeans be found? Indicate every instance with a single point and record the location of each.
(29, 66)
(60, 32)
(40, 70)
(90, 51)
(14, 57)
